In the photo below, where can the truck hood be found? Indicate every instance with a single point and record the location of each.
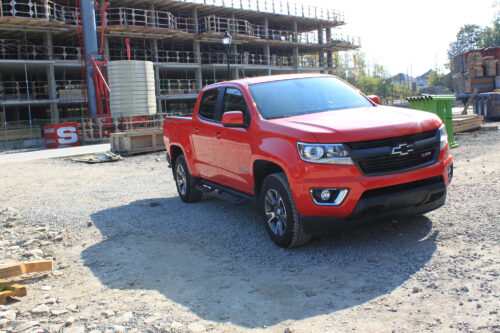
(361, 124)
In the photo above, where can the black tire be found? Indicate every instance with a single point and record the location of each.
(186, 186)
(280, 214)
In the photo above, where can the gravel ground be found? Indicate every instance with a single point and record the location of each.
(130, 256)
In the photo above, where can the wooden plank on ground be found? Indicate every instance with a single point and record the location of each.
(11, 270)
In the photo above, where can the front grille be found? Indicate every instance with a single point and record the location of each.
(391, 163)
(375, 157)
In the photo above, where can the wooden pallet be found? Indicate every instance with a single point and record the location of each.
(463, 123)
(137, 141)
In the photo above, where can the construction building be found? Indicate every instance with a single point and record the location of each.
(42, 65)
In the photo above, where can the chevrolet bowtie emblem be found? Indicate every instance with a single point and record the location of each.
(402, 150)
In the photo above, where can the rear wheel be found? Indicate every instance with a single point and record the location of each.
(280, 215)
(185, 183)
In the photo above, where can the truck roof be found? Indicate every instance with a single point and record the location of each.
(269, 78)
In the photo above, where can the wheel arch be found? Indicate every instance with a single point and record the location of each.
(262, 169)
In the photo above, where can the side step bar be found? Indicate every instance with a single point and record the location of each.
(224, 193)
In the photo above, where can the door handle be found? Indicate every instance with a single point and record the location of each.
(196, 130)
(218, 135)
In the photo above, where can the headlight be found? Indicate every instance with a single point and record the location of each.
(443, 137)
(334, 153)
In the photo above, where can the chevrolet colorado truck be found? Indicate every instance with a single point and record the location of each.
(312, 151)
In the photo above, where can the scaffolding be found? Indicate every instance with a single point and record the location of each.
(41, 54)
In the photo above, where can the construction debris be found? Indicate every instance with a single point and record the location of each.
(11, 290)
(98, 158)
(15, 290)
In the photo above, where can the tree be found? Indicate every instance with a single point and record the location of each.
(491, 35)
(469, 37)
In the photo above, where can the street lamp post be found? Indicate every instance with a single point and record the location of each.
(226, 40)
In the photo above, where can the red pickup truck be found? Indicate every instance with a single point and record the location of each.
(312, 151)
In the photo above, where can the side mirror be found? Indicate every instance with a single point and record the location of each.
(233, 119)
(375, 99)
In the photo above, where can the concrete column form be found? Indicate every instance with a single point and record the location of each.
(51, 79)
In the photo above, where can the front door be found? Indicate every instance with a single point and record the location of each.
(232, 150)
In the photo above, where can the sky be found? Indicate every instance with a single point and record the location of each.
(409, 36)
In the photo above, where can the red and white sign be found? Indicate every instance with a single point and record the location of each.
(61, 135)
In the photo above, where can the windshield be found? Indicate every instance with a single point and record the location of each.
(296, 97)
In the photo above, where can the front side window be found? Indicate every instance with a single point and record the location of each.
(295, 97)
(208, 104)
(234, 101)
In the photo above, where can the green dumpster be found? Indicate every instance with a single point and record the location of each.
(440, 105)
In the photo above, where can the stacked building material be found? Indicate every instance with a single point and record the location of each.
(481, 72)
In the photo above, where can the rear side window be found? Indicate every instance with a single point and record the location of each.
(208, 103)
(234, 101)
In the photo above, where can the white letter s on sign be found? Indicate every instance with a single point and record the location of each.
(67, 135)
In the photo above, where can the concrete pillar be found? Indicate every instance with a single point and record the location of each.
(321, 34)
(154, 49)
(152, 15)
(198, 77)
(196, 23)
(106, 47)
(157, 80)
(267, 54)
(198, 73)
(295, 30)
(234, 61)
(329, 57)
(197, 51)
(48, 44)
(51, 79)
(266, 28)
(296, 58)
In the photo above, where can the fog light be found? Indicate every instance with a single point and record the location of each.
(325, 195)
(328, 196)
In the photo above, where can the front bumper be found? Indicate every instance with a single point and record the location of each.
(349, 177)
(406, 199)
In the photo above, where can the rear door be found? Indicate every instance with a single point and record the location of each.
(203, 133)
(232, 147)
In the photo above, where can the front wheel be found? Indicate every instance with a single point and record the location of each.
(185, 183)
(280, 214)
